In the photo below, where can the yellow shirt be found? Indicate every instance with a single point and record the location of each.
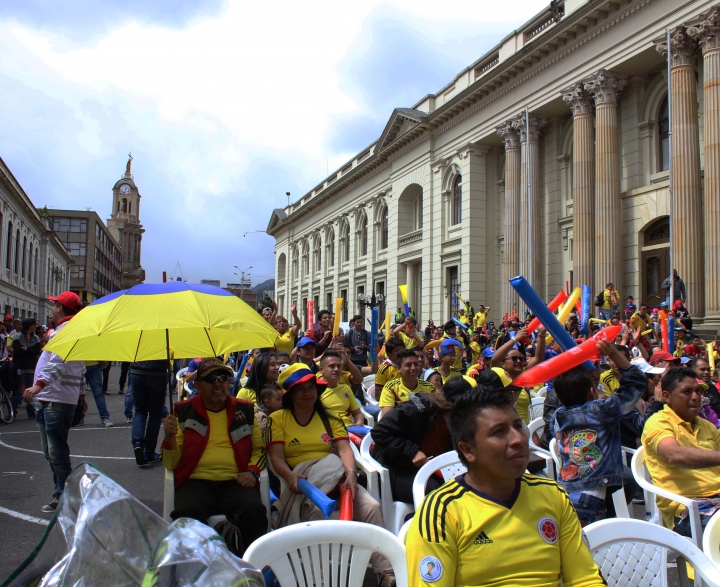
(453, 373)
(608, 300)
(341, 402)
(479, 320)
(465, 319)
(410, 342)
(522, 406)
(688, 482)
(461, 537)
(248, 394)
(217, 462)
(638, 321)
(395, 392)
(386, 372)
(476, 350)
(285, 342)
(610, 382)
(302, 443)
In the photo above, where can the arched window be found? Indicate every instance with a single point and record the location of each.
(17, 250)
(123, 206)
(295, 264)
(345, 242)
(410, 209)
(456, 216)
(363, 236)
(664, 137)
(384, 236)
(317, 254)
(24, 258)
(9, 245)
(35, 272)
(330, 249)
(305, 259)
(281, 268)
(30, 262)
(129, 207)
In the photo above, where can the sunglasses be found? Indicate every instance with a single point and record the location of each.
(215, 378)
(516, 359)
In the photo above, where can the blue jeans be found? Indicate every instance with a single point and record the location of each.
(605, 314)
(374, 411)
(54, 420)
(148, 393)
(128, 402)
(26, 380)
(94, 377)
(588, 507)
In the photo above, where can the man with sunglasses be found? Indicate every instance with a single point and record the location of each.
(213, 444)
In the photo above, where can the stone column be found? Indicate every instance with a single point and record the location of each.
(511, 230)
(530, 211)
(707, 34)
(687, 213)
(604, 86)
(583, 189)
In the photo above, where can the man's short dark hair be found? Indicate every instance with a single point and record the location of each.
(411, 320)
(693, 364)
(329, 354)
(674, 376)
(448, 325)
(465, 410)
(66, 311)
(268, 390)
(572, 387)
(404, 354)
(323, 312)
(356, 317)
(455, 388)
(282, 357)
(392, 344)
(621, 348)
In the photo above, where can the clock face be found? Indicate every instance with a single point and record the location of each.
(124, 189)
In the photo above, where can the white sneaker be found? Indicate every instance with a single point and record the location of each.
(107, 423)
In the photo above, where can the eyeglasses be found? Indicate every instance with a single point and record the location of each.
(215, 378)
(516, 359)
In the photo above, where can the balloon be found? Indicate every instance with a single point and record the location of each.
(346, 505)
(404, 293)
(387, 326)
(598, 320)
(373, 333)
(585, 306)
(567, 307)
(322, 501)
(552, 306)
(565, 361)
(711, 357)
(662, 316)
(338, 315)
(359, 430)
(553, 325)
(459, 323)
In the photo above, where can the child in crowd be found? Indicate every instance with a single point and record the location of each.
(588, 433)
(270, 401)
(630, 308)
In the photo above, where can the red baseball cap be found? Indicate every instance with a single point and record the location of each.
(661, 355)
(8, 318)
(68, 299)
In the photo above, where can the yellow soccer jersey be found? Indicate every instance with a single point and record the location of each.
(610, 382)
(395, 392)
(386, 372)
(476, 350)
(410, 342)
(453, 373)
(248, 394)
(285, 342)
(340, 402)
(460, 537)
(302, 443)
(479, 320)
(458, 352)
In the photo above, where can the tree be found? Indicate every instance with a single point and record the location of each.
(266, 302)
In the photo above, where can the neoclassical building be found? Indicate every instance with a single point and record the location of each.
(548, 157)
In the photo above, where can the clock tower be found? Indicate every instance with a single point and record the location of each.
(124, 224)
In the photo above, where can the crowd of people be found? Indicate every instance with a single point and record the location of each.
(297, 407)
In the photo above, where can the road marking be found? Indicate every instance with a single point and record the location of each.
(39, 452)
(14, 472)
(71, 430)
(25, 517)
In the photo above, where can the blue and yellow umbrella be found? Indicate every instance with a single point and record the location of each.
(158, 321)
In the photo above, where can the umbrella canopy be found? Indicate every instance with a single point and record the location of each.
(143, 322)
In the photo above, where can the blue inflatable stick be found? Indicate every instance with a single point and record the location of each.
(359, 430)
(373, 333)
(322, 501)
(245, 360)
(459, 323)
(585, 307)
(546, 317)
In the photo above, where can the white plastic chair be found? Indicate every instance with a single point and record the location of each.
(169, 497)
(449, 466)
(368, 417)
(368, 382)
(369, 395)
(621, 506)
(537, 405)
(711, 540)
(632, 552)
(327, 552)
(642, 477)
(539, 393)
(394, 512)
(538, 425)
(180, 381)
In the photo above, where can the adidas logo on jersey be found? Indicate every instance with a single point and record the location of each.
(294, 442)
(483, 539)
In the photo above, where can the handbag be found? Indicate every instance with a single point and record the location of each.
(79, 412)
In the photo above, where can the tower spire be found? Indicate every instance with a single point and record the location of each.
(129, 163)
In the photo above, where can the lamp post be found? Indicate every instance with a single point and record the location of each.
(372, 301)
(242, 280)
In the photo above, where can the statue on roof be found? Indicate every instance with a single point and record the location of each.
(127, 167)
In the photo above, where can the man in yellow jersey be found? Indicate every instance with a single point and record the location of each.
(387, 371)
(214, 446)
(683, 450)
(338, 397)
(448, 356)
(408, 333)
(495, 524)
(408, 382)
(286, 336)
(611, 379)
(481, 317)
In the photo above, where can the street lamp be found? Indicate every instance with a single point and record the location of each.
(242, 280)
(371, 300)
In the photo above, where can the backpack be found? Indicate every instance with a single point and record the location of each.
(600, 299)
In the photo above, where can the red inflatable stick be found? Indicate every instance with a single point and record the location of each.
(552, 306)
(565, 361)
(663, 316)
(578, 309)
(346, 504)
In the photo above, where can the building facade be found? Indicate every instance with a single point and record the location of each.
(126, 229)
(547, 157)
(34, 262)
(97, 268)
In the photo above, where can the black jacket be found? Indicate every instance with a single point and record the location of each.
(26, 353)
(401, 431)
(159, 367)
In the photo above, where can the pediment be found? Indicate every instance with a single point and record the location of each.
(402, 121)
(278, 215)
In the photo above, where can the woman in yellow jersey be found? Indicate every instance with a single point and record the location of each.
(523, 528)
(265, 369)
(286, 335)
(303, 431)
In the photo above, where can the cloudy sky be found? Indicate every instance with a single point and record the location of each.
(225, 105)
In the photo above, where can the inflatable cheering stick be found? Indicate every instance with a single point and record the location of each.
(322, 501)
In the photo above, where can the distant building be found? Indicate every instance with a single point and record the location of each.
(244, 292)
(215, 282)
(34, 264)
(98, 266)
(124, 225)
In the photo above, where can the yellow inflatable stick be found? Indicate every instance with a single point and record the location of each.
(338, 315)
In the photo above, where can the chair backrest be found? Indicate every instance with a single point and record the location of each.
(327, 552)
(449, 466)
(555, 452)
(711, 540)
(633, 552)
(365, 451)
(537, 406)
(368, 381)
(536, 425)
